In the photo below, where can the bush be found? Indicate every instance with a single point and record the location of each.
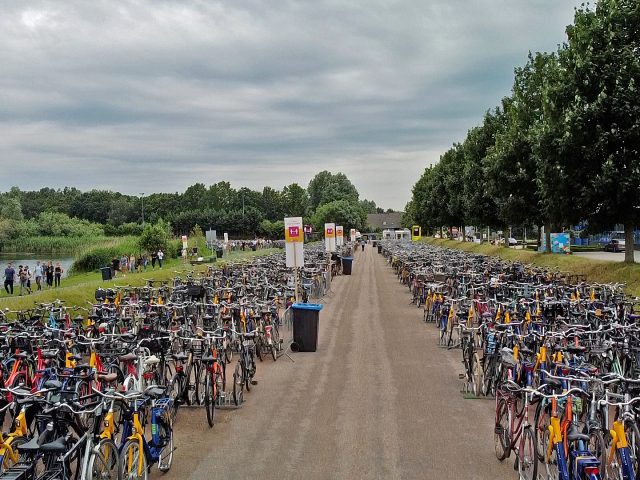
(101, 255)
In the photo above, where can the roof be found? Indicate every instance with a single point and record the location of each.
(384, 220)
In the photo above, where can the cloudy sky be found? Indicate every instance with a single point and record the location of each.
(142, 95)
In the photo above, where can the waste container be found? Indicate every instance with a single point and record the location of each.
(305, 326)
(379, 248)
(107, 274)
(219, 252)
(346, 265)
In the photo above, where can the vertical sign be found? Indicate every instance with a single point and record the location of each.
(352, 234)
(330, 237)
(185, 243)
(294, 241)
(339, 235)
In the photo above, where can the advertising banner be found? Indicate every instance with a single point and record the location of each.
(294, 242)
(339, 235)
(330, 237)
(352, 234)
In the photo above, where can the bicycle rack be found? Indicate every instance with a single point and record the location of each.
(225, 401)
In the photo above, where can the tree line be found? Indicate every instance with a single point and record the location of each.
(562, 149)
(240, 212)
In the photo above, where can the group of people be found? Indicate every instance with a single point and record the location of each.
(45, 273)
(131, 264)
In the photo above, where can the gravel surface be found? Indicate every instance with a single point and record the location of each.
(378, 400)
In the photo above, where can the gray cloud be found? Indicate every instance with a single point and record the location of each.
(119, 94)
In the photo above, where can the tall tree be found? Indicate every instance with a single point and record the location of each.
(326, 187)
(603, 61)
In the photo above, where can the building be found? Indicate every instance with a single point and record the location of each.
(384, 221)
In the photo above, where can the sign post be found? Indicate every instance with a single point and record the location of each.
(330, 237)
(294, 246)
(339, 235)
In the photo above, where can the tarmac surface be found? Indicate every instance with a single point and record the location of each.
(378, 400)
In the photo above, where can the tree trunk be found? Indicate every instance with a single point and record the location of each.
(441, 233)
(463, 235)
(629, 254)
(547, 235)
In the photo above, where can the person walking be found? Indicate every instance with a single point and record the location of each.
(58, 271)
(38, 272)
(160, 257)
(49, 274)
(132, 263)
(154, 259)
(23, 276)
(9, 277)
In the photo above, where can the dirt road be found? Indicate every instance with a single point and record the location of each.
(378, 400)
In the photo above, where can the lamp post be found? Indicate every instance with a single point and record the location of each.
(142, 200)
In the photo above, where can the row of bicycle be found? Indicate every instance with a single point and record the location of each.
(97, 395)
(562, 358)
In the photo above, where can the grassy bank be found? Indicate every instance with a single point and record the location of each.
(595, 270)
(80, 288)
(52, 245)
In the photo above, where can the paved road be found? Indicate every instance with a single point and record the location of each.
(608, 256)
(378, 400)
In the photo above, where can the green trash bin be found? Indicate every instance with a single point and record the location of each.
(347, 263)
(306, 318)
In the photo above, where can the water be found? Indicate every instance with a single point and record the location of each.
(30, 260)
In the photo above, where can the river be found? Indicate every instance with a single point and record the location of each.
(30, 260)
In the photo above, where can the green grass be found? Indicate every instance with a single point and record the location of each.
(598, 271)
(80, 288)
(52, 245)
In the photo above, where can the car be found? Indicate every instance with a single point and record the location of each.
(614, 246)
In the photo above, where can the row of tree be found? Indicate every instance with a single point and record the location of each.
(328, 197)
(562, 149)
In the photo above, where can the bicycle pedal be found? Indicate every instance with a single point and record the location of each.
(254, 382)
(461, 376)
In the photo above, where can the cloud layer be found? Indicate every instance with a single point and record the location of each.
(145, 95)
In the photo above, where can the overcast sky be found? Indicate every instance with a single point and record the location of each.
(145, 96)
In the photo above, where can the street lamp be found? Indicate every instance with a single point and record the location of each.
(142, 200)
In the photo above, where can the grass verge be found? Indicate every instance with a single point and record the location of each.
(598, 271)
(80, 288)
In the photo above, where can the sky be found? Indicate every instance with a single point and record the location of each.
(155, 95)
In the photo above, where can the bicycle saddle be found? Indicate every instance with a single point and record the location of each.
(154, 391)
(127, 357)
(152, 360)
(108, 377)
(574, 435)
(30, 447)
(180, 356)
(59, 445)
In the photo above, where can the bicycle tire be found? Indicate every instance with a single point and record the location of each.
(175, 391)
(633, 438)
(201, 387)
(502, 435)
(528, 456)
(131, 453)
(165, 432)
(478, 375)
(6, 463)
(101, 466)
(238, 385)
(598, 447)
(258, 347)
(210, 399)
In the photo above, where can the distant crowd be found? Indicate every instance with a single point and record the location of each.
(44, 274)
(133, 264)
(243, 245)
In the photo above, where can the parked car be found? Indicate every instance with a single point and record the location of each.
(614, 246)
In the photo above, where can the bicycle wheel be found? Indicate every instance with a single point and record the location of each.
(175, 392)
(527, 456)
(101, 467)
(502, 435)
(165, 432)
(132, 464)
(598, 448)
(191, 385)
(201, 388)
(633, 438)
(477, 375)
(246, 373)
(238, 385)
(6, 461)
(210, 398)
(540, 424)
(258, 346)
(109, 451)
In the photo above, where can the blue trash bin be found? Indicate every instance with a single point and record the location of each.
(306, 317)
